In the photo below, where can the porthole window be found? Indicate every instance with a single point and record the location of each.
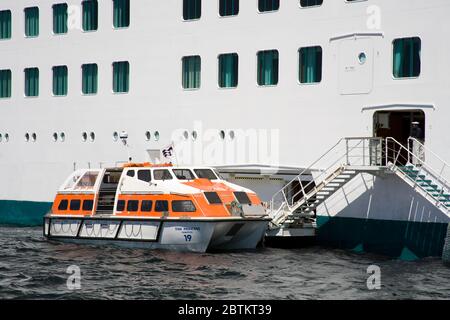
(156, 136)
(222, 134)
(148, 136)
(232, 135)
(92, 136)
(62, 136)
(1, 137)
(34, 137)
(6, 137)
(55, 137)
(84, 136)
(116, 136)
(186, 135)
(362, 58)
(27, 137)
(194, 135)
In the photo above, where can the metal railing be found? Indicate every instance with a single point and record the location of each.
(97, 165)
(359, 151)
(399, 157)
(440, 165)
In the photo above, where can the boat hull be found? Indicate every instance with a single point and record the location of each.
(166, 234)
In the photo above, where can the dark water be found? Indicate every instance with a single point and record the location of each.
(32, 268)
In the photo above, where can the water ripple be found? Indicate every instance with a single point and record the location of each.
(33, 268)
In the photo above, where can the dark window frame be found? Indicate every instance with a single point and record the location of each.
(244, 201)
(121, 205)
(175, 206)
(63, 205)
(88, 205)
(160, 202)
(75, 205)
(146, 205)
(132, 206)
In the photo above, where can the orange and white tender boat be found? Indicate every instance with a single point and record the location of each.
(156, 206)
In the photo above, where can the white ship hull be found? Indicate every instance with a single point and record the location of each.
(375, 214)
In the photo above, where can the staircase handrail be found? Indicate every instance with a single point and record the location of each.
(336, 164)
(444, 183)
(445, 164)
(308, 169)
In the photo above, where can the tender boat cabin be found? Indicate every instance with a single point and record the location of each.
(157, 191)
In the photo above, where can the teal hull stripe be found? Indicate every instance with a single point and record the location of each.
(406, 240)
(23, 213)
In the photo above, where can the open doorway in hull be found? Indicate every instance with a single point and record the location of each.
(399, 125)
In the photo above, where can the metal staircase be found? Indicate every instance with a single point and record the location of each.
(419, 172)
(295, 205)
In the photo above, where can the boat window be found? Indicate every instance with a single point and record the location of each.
(183, 206)
(205, 174)
(144, 175)
(162, 175)
(131, 173)
(162, 206)
(218, 175)
(88, 205)
(242, 198)
(132, 205)
(72, 180)
(120, 205)
(63, 205)
(183, 174)
(75, 205)
(146, 205)
(213, 198)
(87, 182)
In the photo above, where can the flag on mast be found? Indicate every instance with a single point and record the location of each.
(168, 152)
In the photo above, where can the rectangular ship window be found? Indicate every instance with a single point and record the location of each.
(146, 205)
(63, 205)
(205, 174)
(228, 70)
(5, 84)
(242, 198)
(192, 9)
(162, 175)
(183, 174)
(90, 15)
(268, 67)
(60, 17)
(120, 205)
(32, 22)
(310, 3)
(191, 72)
(89, 78)
(407, 60)
(183, 206)
(121, 77)
(5, 24)
(310, 65)
(31, 82)
(268, 5)
(144, 175)
(228, 8)
(121, 13)
(88, 205)
(132, 205)
(162, 206)
(213, 198)
(75, 205)
(60, 82)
